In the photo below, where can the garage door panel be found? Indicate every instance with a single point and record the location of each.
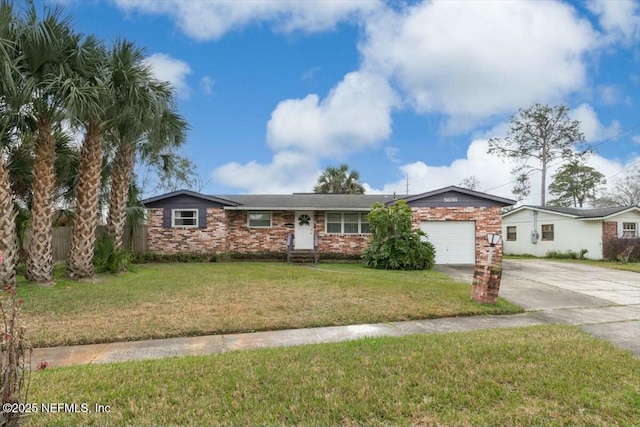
(455, 241)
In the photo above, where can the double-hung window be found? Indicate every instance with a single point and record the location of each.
(547, 232)
(259, 219)
(347, 223)
(184, 218)
(512, 234)
(629, 230)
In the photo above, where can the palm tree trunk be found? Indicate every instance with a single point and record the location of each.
(40, 253)
(120, 180)
(8, 238)
(80, 262)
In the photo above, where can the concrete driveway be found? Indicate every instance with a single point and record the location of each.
(602, 301)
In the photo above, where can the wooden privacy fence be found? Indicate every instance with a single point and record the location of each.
(134, 240)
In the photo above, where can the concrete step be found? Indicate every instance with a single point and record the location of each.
(301, 256)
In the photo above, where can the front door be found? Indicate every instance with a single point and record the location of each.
(303, 230)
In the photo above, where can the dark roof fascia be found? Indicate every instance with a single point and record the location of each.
(214, 199)
(501, 200)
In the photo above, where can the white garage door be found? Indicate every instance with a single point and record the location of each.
(455, 241)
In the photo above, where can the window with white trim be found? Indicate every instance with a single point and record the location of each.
(547, 232)
(259, 219)
(184, 218)
(347, 223)
(629, 230)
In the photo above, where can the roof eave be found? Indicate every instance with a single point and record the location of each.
(612, 214)
(538, 209)
(498, 199)
(191, 194)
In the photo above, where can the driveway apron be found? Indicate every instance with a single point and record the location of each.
(601, 301)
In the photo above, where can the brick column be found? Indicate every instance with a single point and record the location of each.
(486, 284)
(609, 236)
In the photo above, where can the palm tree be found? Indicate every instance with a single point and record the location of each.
(339, 180)
(147, 124)
(8, 239)
(93, 117)
(50, 51)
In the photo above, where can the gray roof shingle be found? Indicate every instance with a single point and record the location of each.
(583, 213)
(310, 201)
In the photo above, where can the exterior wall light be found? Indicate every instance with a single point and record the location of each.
(493, 240)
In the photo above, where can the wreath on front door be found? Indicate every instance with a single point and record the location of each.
(304, 219)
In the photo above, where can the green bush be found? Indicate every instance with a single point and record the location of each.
(569, 254)
(108, 260)
(394, 245)
(153, 257)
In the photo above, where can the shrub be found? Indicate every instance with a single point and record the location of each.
(569, 254)
(107, 259)
(153, 257)
(15, 349)
(621, 250)
(394, 245)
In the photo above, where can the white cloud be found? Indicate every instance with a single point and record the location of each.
(172, 70)
(310, 74)
(591, 126)
(473, 60)
(393, 154)
(288, 172)
(210, 20)
(353, 117)
(620, 19)
(494, 174)
(612, 95)
(491, 171)
(207, 83)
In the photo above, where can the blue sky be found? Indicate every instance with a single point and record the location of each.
(275, 91)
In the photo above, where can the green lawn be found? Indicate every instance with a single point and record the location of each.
(169, 300)
(546, 375)
(629, 266)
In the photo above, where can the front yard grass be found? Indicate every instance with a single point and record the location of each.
(545, 375)
(169, 300)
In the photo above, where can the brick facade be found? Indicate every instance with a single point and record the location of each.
(609, 229)
(487, 221)
(244, 239)
(168, 240)
(344, 244)
(228, 231)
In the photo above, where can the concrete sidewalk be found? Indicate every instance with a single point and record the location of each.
(605, 303)
(212, 344)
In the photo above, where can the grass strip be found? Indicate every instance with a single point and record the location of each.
(545, 375)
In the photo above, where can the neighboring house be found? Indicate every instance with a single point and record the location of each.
(456, 220)
(536, 230)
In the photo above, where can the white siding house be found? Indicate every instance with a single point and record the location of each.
(534, 230)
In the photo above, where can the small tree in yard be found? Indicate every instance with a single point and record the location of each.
(394, 245)
(575, 183)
